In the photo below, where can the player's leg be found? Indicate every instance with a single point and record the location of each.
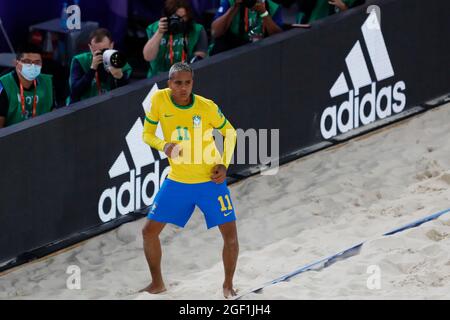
(229, 255)
(215, 202)
(173, 204)
(153, 253)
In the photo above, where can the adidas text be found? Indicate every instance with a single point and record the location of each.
(362, 111)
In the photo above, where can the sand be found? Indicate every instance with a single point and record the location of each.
(314, 207)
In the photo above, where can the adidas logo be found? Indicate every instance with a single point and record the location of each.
(375, 104)
(130, 196)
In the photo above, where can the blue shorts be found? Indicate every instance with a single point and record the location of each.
(176, 201)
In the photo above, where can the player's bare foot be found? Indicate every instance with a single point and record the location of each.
(229, 292)
(154, 289)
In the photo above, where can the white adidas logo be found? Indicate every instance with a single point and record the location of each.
(362, 111)
(136, 187)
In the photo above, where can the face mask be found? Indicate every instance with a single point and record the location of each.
(30, 71)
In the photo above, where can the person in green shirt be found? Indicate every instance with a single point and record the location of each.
(174, 38)
(25, 92)
(238, 22)
(88, 75)
(313, 10)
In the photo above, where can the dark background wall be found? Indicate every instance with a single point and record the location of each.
(112, 14)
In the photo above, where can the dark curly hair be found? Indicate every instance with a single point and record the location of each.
(171, 7)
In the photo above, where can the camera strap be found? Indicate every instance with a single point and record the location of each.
(22, 99)
(185, 47)
(97, 82)
(244, 21)
(183, 53)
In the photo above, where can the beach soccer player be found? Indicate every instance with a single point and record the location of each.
(197, 174)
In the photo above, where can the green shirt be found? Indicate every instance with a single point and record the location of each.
(44, 98)
(324, 9)
(166, 57)
(241, 29)
(85, 61)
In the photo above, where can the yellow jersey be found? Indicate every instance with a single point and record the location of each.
(192, 128)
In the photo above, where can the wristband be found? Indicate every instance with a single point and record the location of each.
(265, 14)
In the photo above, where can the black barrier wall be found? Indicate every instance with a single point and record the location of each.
(68, 174)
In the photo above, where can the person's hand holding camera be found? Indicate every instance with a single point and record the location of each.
(117, 73)
(163, 25)
(97, 59)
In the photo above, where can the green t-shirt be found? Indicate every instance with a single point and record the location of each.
(240, 28)
(324, 9)
(44, 98)
(166, 57)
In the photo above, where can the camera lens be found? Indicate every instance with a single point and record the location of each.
(118, 60)
(114, 58)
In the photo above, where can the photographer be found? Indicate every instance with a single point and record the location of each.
(89, 76)
(238, 22)
(174, 38)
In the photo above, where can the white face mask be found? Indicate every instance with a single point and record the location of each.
(30, 71)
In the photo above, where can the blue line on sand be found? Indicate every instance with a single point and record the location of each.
(328, 261)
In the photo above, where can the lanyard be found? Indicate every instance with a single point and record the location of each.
(246, 20)
(97, 82)
(183, 54)
(22, 99)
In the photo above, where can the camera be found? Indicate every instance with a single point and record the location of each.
(113, 58)
(176, 24)
(101, 52)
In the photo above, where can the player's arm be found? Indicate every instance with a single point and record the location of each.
(150, 126)
(219, 172)
(230, 137)
(149, 134)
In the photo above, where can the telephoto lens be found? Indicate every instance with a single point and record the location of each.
(114, 58)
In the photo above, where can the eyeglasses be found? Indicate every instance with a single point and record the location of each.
(35, 62)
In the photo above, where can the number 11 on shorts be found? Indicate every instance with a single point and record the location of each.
(222, 203)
